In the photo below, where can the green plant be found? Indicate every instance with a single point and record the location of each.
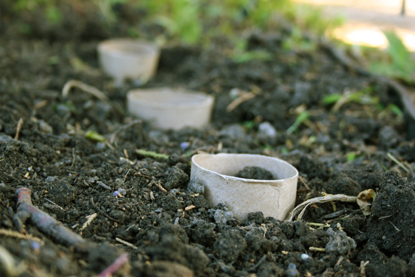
(105, 7)
(298, 121)
(399, 63)
(241, 55)
(362, 97)
(92, 135)
(186, 19)
(51, 11)
(248, 124)
(310, 18)
(181, 18)
(297, 42)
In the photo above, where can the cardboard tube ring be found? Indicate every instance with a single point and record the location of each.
(274, 198)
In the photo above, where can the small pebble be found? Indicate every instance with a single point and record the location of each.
(196, 187)
(35, 245)
(184, 145)
(116, 193)
(292, 271)
(305, 257)
(222, 217)
(123, 192)
(50, 179)
(100, 146)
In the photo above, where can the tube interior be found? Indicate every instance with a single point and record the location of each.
(230, 164)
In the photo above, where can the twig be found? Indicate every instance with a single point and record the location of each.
(362, 268)
(319, 249)
(54, 204)
(103, 185)
(398, 162)
(115, 133)
(19, 126)
(109, 145)
(328, 198)
(151, 154)
(301, 179)
(11, 233)
(238, 101)
(90, 218)
(125, 177)
(73, 157)
(40, 105)
(339, 261)
(126, 243)
(43, 221)
(396, 228)
(188, 208)
(119, 262)
(126, 154)
(160, 186)
(90, 89)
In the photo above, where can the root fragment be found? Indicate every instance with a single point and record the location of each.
(19, 126)
(90, 89)
(328, 198)
(43, 221)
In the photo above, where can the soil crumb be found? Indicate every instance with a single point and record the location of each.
(255, 172)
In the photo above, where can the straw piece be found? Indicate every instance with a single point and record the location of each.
(328, 198)
(11, 233)
(90, 89)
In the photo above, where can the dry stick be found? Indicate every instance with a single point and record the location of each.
(238, 101)
(40, 105)
(398, 162)
(301, 179)
(90, 218)
(362, 268)
(101, 184)
(43, 221)
(160, 186)
(73, 157)
(126, 243)
(120, 261)
(54, 204)
(11, 233)
(125, 177)
(188, 208)
(328, 198)
(19, 126)
(90, 89)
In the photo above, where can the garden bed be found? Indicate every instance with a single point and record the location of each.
(337, 147)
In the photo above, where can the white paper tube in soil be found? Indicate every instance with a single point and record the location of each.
(167, 108)
(128, 58)
(274, 198)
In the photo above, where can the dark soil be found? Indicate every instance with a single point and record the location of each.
(255, 172)
(174, 232)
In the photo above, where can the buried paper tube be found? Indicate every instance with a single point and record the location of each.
(272, 197)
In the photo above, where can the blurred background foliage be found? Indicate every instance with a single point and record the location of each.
(187, 21)
(223, 25)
